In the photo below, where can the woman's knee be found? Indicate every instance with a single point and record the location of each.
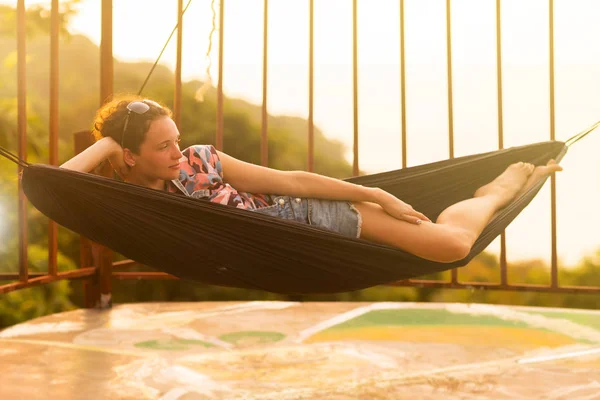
(453, 245)
(436, 242)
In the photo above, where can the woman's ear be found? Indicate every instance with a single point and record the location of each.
(128, 157)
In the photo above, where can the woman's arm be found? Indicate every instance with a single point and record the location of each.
(90, 158)
(253, 178)
(247, 177)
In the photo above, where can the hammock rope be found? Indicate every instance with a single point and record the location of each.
(581, 135)
(12, 157)
(163, 50)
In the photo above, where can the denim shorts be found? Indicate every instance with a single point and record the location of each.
(336, 216)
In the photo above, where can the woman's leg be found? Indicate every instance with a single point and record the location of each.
(451, 237)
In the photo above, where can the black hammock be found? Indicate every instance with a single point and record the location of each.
(221, 245)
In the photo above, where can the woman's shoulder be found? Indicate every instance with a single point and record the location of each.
(202, 154)
(200, 148)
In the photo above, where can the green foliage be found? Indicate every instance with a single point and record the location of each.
(78, 100)
(37, 19)
(485, 268)
(25, 304)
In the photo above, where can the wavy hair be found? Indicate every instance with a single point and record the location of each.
(110, 119)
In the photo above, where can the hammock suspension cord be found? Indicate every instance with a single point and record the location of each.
(163, 50)
(581, 135)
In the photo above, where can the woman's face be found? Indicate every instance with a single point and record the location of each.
(159, 156)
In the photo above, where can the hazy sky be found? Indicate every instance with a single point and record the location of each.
(142, 26)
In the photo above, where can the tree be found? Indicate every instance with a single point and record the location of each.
(37, 301)
(38, 19)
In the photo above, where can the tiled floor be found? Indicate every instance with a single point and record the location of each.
(280, 350)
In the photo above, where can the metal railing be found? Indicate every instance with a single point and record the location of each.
(96, 261)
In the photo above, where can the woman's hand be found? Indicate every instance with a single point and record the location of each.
(116, 160)
(399, 209)
(99, 152)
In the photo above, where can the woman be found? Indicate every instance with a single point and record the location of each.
(141, 141)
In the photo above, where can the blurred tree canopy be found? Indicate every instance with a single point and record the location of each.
(78, 100)
(38, 19)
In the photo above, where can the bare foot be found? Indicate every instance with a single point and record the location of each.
(540, 173)
(506, 186)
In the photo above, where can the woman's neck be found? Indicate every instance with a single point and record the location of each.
(157, 184)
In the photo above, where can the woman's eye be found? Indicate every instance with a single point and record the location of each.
(166, 146)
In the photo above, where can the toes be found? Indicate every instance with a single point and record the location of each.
(550, 169)
(527, 168)
(553, 166)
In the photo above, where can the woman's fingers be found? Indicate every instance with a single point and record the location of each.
(421, 216)
(416, 218)
(413, 220)
(404, 211)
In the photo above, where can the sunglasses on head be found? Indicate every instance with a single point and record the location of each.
(139, 107)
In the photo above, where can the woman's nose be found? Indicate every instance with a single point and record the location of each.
(178, 154)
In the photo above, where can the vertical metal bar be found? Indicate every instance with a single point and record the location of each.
(177, 91)
(106, 53)
(449, 64)
(264, 140)
(97, 288)
(103, 259)
(54, 36)
(91, 286)
(402, 87)
(91, 292)
(554, 265)
(22, 130)
(311, 127)
(403, 133)
(355, 168)
(503, 263)
(219, 138)
(103, 287)
(454, 272)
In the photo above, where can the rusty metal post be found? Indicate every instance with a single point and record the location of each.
(355, 167)
(106, 53)
(97, 290)
(91, 292)
(454, 272)
(503, 261)
(219, 138)
(106, 93)
(554, 260)
(53, 142)
(22, 132)
(403, 86)
(177, 91)
(264, 139)
(310, 164)
(102, 258)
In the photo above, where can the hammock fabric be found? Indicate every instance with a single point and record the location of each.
(205, 242)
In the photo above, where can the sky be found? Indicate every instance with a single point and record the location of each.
(142, 26)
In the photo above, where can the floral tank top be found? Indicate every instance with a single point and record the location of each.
(201, 176)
